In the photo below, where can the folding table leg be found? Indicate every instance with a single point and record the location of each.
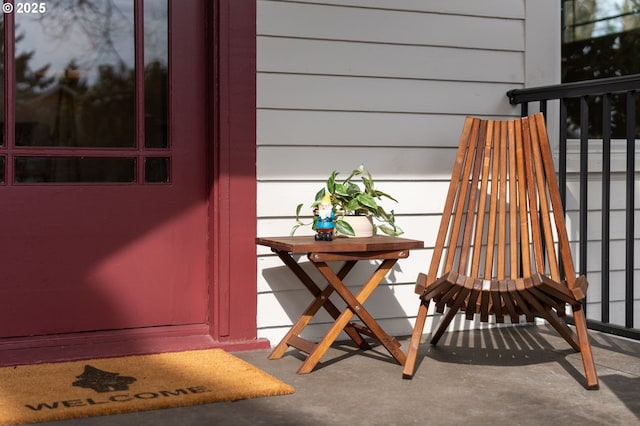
(321, 300)
(354, 308)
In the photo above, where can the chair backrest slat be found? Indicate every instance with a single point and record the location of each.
(502, 208)
(532, 200)
(513, 207)
(545, 208)
(471, 200)
(443, 232)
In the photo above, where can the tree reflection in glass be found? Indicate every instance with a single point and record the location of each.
(75, 75)
(156, 83)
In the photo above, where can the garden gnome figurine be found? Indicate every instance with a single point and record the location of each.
(325, 221)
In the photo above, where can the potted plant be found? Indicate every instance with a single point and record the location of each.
(355, 196)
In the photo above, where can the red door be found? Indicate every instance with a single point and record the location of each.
(103, 193)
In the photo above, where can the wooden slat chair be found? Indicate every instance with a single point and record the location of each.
(502, 248)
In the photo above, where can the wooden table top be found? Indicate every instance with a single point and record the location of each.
(308, 244)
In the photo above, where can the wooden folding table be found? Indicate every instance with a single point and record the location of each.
(350, 251)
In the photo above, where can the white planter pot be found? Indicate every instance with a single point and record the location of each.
(362, 226)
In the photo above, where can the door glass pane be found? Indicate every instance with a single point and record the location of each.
(156, 170)
(75, 169)
(75, 75)
(2, 160)
(156, 58)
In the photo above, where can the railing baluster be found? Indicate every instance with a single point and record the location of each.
(631, 165)
(584, 171)
(584, 183)
(562, 152)
(562, 160)
(606, 204)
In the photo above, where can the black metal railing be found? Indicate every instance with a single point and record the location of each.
(617, 98)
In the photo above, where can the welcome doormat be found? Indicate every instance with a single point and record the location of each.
(56, 391)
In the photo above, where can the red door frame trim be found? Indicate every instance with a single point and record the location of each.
(233, 187)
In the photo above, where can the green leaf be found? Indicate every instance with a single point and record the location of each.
(344, 228)
(354, 206)
(368, 185)
(340, 189)
(331, 182)
(394, 232)
(381, 214)
(351, 188)
(381, 194)
(293, 230)
(367, 200)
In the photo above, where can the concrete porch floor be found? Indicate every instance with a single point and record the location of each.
(524, 375)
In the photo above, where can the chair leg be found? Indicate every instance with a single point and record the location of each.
(563, 329)
(585, 349)
(444, 323)
(580, 343)
(414, 343)
(461, 297)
